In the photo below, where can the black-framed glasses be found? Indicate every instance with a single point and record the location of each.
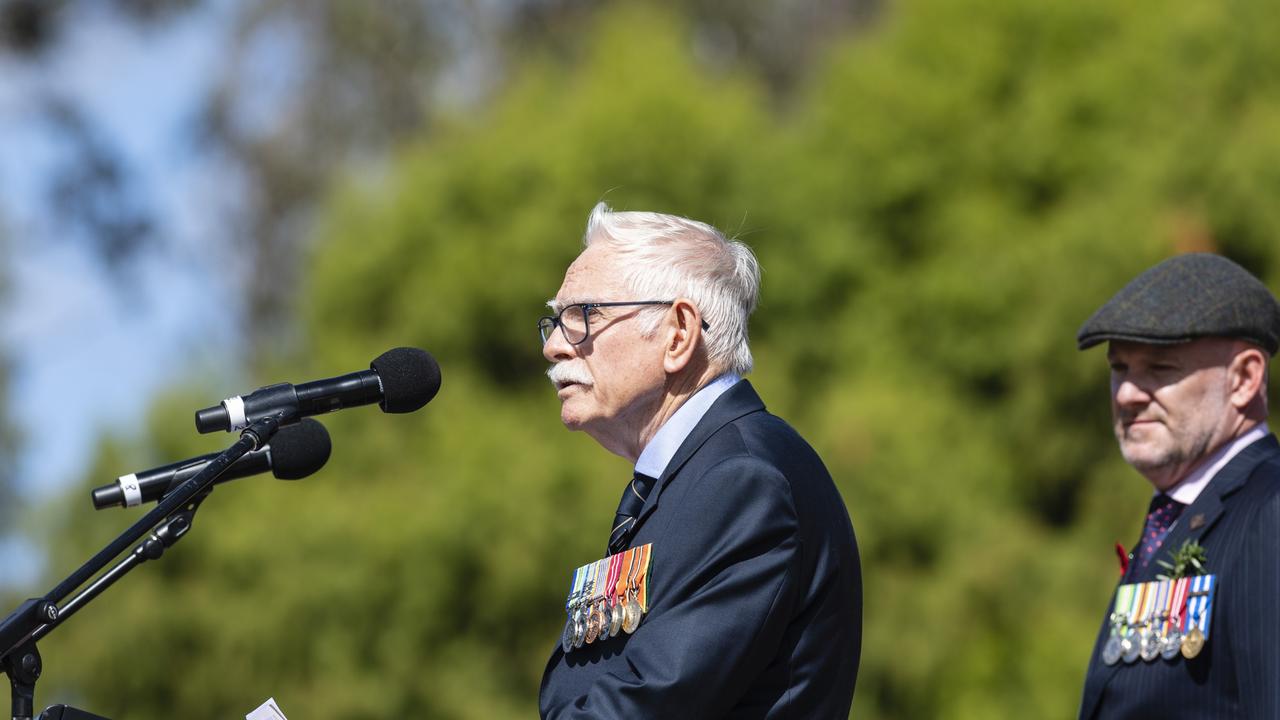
(574, 320)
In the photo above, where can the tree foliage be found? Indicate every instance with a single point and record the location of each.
(310, 89)
(949, 199)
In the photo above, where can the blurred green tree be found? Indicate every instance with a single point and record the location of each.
(309, 90)
(936, 214)
(428, 584)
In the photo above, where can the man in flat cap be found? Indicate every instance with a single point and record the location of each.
(1194, 626)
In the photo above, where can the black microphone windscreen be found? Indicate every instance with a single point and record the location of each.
(410, 378)
(299, 450)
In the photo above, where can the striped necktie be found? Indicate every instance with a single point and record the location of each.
(628, 509)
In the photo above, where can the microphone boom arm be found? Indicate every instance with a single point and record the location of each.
(37, 617)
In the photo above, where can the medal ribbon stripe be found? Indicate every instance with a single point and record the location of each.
(1201, 603)
(602, 589)
(1178, 604)
(1207, 612)
(615, 564)
(1124, 601)
(1164, 598)
(572, 636)
(602, 576)
(1166, 607)
(597, 587)
(1149, 601)
(1171, 637)
(579, 581)
(633, 576)
(613, 611)
(1193, 604)
(1161, 606)
(582, 582)
(1124, 596)
(591, 586)
(645, 559)
(631, 607)
(1153, 617)
(1132, 640)
(624, 575)
(1140, 597)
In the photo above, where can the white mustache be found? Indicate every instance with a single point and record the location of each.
(562, 373)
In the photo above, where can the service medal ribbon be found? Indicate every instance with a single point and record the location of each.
(612, 608)
(645, 569)
(1172, 641)
(1153, 622)
(1113, 650)
(1199, 613)
(1132, 641)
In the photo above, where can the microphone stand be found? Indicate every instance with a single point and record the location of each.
(37, 617)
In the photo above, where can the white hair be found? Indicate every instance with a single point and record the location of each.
(664, 257)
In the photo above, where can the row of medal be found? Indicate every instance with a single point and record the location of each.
(1161, 618)
(608, 596)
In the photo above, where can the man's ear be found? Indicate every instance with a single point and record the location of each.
(1247, 374)
(682, 331)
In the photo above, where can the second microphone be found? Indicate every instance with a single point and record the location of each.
(295, 452)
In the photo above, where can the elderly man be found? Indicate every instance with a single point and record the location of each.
(1189, 344)
(731, 566)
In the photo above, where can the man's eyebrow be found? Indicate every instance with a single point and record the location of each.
(558, 305)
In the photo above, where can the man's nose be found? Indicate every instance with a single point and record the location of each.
(557, 348)
(1128, 393)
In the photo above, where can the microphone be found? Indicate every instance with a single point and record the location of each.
(294, 453)
(400, 380)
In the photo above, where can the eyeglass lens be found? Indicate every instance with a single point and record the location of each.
(572, 322)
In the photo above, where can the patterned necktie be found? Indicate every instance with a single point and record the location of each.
(1164, 511)
(628, 508)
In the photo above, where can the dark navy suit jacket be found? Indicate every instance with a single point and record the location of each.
(755, 591)
(1237, 675)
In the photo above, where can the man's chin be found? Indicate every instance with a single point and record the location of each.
(1147, 460)
(572, 420)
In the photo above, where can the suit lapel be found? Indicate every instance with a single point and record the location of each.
(1204, 514)
(1198, 519)
(739, 400)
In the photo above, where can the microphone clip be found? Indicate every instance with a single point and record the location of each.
(260, 432)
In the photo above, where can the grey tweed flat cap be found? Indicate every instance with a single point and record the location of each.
(1184, 298)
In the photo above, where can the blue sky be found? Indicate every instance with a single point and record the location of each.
(90, 350)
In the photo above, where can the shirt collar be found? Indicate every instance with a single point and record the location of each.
(664, 444)
(1189, 489)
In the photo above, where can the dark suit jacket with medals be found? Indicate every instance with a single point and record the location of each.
(1236, 519)
(755, 590)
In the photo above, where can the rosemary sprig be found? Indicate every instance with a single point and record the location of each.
(1188, 560)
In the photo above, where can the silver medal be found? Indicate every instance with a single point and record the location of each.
(1171, 647)
(566, 638)
(1112, 650)
(616, 616)
(1129, 649)
(1149, 645)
